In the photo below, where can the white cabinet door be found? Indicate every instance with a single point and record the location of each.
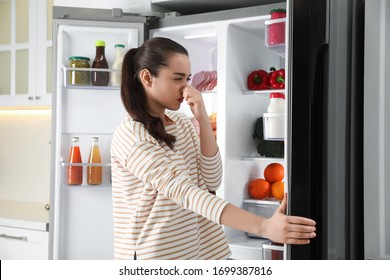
(25, 50)
(23, 244)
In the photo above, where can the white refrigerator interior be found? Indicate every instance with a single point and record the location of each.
(83, 223)
(234, 48)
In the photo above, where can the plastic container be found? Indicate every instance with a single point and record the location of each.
(273, 251)
(75, 173)
(76, 78)
(94, 173)
(274, 118)
(100, 78)
(277, 27)
(116, 74)
(265, 208)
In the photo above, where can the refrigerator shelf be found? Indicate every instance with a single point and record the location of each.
(84, 186)
(276, 35)
(263, 92)
(260, 158)
(68, 70)
(92, 87)
(266, 201)
(63, 164)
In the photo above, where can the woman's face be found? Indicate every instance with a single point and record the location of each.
(165, 91)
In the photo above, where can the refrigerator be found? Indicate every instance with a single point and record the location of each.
(322, 145)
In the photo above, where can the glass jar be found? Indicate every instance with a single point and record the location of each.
(81, 77)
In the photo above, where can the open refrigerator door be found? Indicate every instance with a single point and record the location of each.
(81, 222)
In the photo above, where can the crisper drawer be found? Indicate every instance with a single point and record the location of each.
(273, 251)
(265, 208)
(23, 244)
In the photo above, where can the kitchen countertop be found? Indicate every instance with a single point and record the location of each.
(27, 215)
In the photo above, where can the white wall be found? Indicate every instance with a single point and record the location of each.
(25, 155)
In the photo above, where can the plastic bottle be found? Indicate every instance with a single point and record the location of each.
(117, 65)
(100, 78)
(75, 173)
(276, 103)
(275, 116)
(94, 173)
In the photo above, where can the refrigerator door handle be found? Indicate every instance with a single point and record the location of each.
(318, 77)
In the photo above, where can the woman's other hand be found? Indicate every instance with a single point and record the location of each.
(195, 100)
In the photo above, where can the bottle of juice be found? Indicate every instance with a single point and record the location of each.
(94, 173)
(75, 173)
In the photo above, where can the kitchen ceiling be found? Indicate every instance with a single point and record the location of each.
(186, 7)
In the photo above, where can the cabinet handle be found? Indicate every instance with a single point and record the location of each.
(37, 98)
(23, 238)
(30, 98)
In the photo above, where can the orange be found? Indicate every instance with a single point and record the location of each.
(277, 190)
(259, 188)
(274, 172)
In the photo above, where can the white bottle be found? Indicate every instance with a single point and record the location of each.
(117, 65)
(275, 117)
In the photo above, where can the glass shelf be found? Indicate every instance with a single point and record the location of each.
(270, 200)
(266, 92)
(260, 158)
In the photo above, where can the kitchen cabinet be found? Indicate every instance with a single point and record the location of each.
(26, 53)
(24, 231)
(23, 244)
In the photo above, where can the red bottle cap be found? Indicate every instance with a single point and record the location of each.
(276, 95)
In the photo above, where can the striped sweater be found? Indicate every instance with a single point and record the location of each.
(161, 201)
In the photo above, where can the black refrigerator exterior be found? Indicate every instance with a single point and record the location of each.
(326, 126)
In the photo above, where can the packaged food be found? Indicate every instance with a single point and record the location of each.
(80, 77)
(277, 29)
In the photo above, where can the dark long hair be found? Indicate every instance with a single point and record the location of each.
(152, 55)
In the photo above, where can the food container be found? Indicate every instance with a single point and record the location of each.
(274, 126)
(276, 28)
(81, 77)
(265, 208)
(273, 251)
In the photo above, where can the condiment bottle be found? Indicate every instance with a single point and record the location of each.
(94, 173)
(100, 78)
(75, 173)
(117, 65)
(275, 122)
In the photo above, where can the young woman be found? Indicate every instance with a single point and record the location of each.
(164, 175)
